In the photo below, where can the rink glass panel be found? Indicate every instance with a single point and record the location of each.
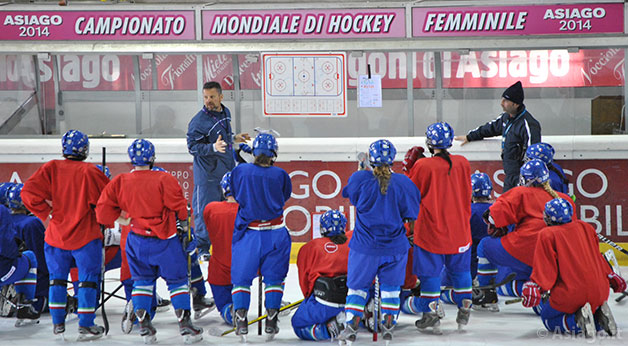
(576, 92)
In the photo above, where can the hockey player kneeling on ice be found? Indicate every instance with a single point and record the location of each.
(522, 206)
(322, 265)
(379, 247)
(73, 235)
(31, 230)
(481, 189)
(442, 234)
(260, 238)
(568, 263)
(17, 267)
(153, 246)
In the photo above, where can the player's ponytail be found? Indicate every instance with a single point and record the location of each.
(443, 153)
(338, 239)
(546, 186)
(263, 160)
(382, 173)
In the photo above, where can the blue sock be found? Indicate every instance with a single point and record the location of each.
(273, 292)
(197, 277)
(179, 295)
(314, 332)
(462, 286)
(87, 299)
(356, 299)
(241, 296)
(142, 295)
(390, 300)
(430, 291)
(28, 283)
(225, 313)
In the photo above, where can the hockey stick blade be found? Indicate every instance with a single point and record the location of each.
(506, 280)
(218, 332)
(623, 295)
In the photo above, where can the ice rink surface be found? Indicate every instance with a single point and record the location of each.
(513, 325)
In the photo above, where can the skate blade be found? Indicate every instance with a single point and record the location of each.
(150, 339)
(200, 313)
(192, 339)
(162, 308)
(243, 339)
(88, 337)
(491, 308)
(127, 327)
(24, 323)
(435, 329)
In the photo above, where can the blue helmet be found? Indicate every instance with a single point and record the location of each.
(158, 169)
(142, 152)
(4, 190)
(75, 143)
(481, 185)
(14, 198)
(533, 172)
(266, 144)
(225, 184)
(333, 222)
(541, 151)
(557, 211)
(106, 171)
(439, 136)
(382, 152)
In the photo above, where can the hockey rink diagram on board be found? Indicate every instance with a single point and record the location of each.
(304, 84)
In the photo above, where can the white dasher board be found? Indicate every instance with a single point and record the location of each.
(304, 84)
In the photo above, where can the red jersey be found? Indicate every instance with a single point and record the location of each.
(524, 207)
(321, 257)
(568, 262)
(152, 199)
(73, 187)
(219, 219)
(443, 225)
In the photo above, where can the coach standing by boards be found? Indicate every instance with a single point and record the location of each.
(518, 129)
(210, 140)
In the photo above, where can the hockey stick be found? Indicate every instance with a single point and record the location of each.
(218, 332)
(111, 295)
(612, 243)
(622, 296)
(102, 269)
(519, 299)
(610, 258)
(506, 280)
(260, 296)
(376, 305)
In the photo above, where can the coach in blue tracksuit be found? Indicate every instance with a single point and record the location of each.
(210, 140)
(518, 129)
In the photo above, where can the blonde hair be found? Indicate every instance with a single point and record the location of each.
(546, 186)
(382, 173)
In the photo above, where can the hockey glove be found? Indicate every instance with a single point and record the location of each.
(411, 157)
(531, 294)
(189, 245)
(496, 232)
(618, 284)
(182, 227)
(246, 148)
(21, 245)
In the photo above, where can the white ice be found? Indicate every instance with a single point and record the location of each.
(513, 325)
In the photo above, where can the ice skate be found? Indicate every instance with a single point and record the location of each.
(485, 300)
(202, 306)
(128, 318)
(463, 313)
(147, 331)
(585, 320)
(162, 304)
(26, 313)
(367, 318)
(604, 317)
(271, 327)
(8, 301)
(431, 318)
(286, 312)
(190, 333)
(387, 328)
(71, 306)
(335, 325)
(59, 329)
(241, 323)
(90, 333)
(350, 333)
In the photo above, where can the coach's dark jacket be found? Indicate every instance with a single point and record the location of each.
(517, 133)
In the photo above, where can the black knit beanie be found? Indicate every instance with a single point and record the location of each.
(514, 93)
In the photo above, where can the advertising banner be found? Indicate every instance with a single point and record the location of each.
(97, 25)
(317, 186)
(580, 19)
(304, 24)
